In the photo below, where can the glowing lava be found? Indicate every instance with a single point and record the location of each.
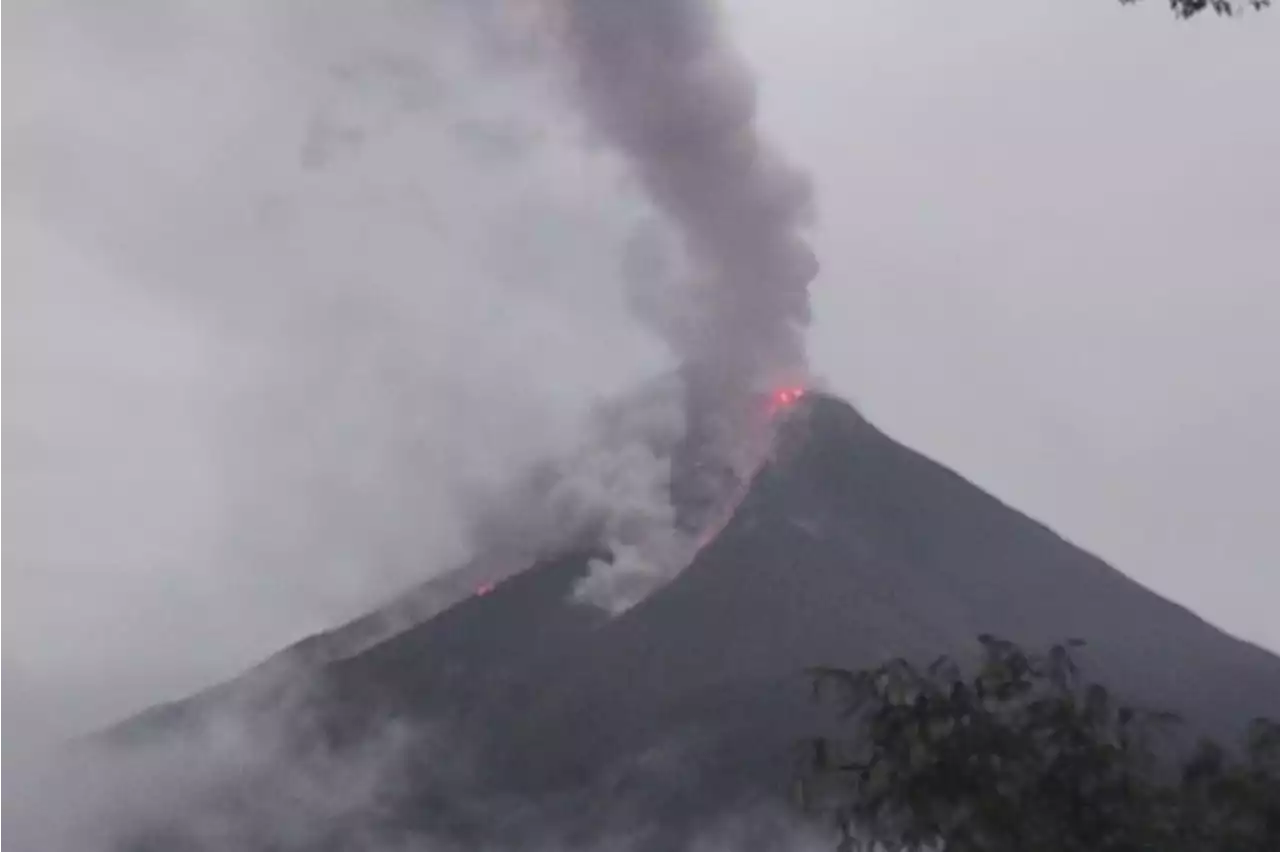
(784, 398)
(780, 400)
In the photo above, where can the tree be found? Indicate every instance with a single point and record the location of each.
(1191, 8)
(1027, 756)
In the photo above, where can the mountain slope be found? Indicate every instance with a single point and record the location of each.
(848, 548)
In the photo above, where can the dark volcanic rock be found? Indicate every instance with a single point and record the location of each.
(847, 549)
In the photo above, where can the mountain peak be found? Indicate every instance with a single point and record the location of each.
(846, 548)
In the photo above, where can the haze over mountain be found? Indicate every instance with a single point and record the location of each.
(267, 364)
(515, 711)
(218, 300)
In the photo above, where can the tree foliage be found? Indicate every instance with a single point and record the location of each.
(1191, 8)
(1025, 755)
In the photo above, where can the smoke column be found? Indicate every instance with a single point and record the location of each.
(657, 81)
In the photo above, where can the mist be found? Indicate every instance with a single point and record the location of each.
(307, 299)
(241, 778)
(293, 286)
(297, 289)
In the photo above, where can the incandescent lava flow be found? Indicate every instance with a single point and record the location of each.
(777, 404)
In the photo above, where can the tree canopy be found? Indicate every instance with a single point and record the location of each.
(1191, 8)
(1025, 755)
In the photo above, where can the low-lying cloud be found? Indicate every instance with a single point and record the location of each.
(289, 282)
(308, 299)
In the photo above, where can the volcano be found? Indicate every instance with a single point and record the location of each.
(846, 549)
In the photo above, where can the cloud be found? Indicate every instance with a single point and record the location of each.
(251, 770)
(261, 767)
(290, 282)
(301, 292)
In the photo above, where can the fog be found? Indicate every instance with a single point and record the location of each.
(290, 284)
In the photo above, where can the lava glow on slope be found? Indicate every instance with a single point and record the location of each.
(779, 400)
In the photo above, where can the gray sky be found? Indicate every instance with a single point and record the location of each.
(290, 283)
(1048, 234)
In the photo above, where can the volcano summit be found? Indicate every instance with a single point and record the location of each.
(846, 548)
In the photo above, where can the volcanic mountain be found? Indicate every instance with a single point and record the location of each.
(847, 548)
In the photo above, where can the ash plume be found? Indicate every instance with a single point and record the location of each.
(657, 80)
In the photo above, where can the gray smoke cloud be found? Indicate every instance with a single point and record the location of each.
(249, 772)
(287, 283)
(613, 492)
(294, 283)
(658, 80)
(240, 779)
(295, 290)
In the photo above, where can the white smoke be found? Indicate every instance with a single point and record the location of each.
(611, 490)
(231, 787)
(660, 83)
(287, 280)
(627, 471)
(292, 278)
(247, 773)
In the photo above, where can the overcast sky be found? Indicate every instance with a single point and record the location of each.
(289, 283)
(1050, 260)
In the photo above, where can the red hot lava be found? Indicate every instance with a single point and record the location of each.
(780, 400)
(783, 398)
